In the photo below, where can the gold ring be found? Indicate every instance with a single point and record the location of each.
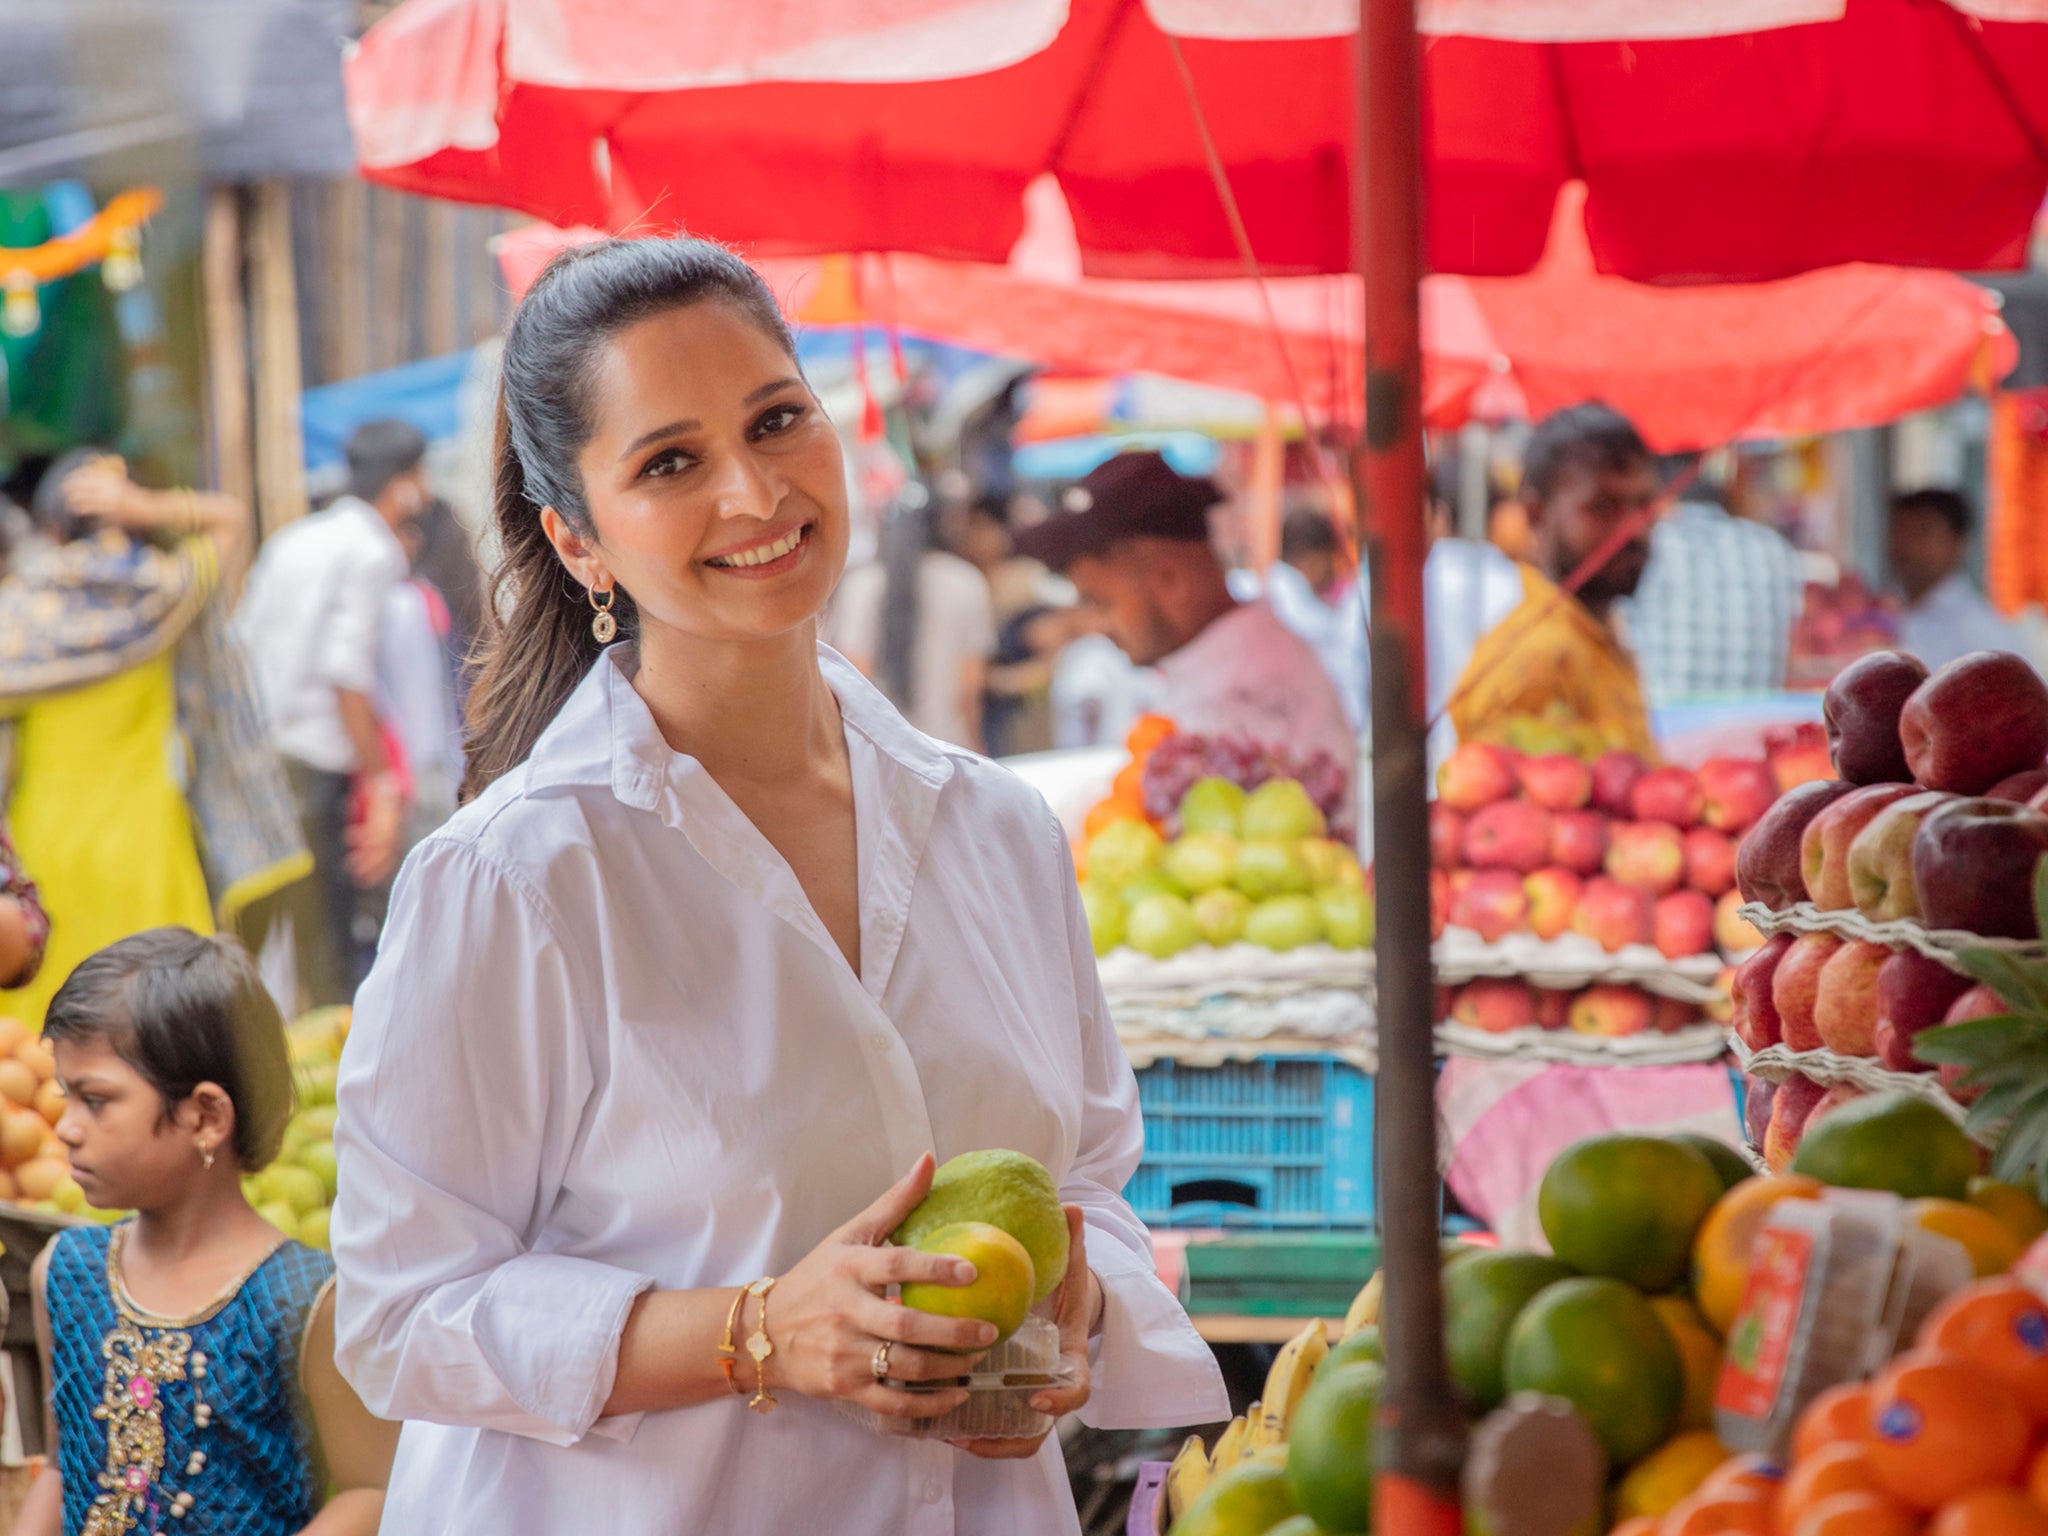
(880, 1364)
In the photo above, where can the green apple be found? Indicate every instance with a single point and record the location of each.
(299, 1188)
(318, 1160)
(280, 1216)
(1284, 922)
(1201, 861)
(1121, 852)
(1154, 882)
(1105, 913)
(313, 1229)
(1161, 926)
(1220, 915)
(1212, 805)
(1281, 808)
(318, 1121)
(316, 1083)
(1331, 863)
(1271, 866)
(1348, 916)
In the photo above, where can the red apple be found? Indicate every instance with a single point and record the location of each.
(1767, 865)
(1553, 899)
(1845, 1007)
(1795, 989)
(1801, 763)
(1977, 1003)
(1734, 935)
(1610, 1011)
(1793, 1103)
(1439, 904)
(1758, 1094)
(1832, 1100)
(1881, 858)
(1669, 1015)
(1824, 850)
(1614, 781)
(1552, 1007)
(1495, 1004)
(1509, 834)
(1446, 836)
(2021, 787)
(1477, 774)
(1709, 860)
(1756, 1022)
(1667, 794)
(1493, 904)
(1973, 864)
(1556, 781)
(1735, 792)
(1614, 915)
(1578, 841)
(1862, 709)
(1646, 853)
(1683, 924)
(1722, 1009)
(1980, 718)
(1913, 993)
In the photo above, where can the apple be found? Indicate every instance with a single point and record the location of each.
(1578, 841)
(1790, 1107)
(1610, 1010)
(1801, 763)
(1614, 915)
(1767, 865)
(1493, 904)
(1980, 718)
(1735, 792)
(1709, 860)
(1682, 924)
(1646, 853)
(1509, 834)
(1977, 1003)
(1973, 863)
(1757, 1094)
(1734, 934)
(1832, 1100)
(1722, 1007)
(1553, 1008)
(1913, 993)
(1439, 904)
(1220, 915)
(1477, 774)
(1556, 781)
(1349, 917)
(1553, 900)
(1670, 1014)
(2022, 786)
(1270, 866)
(1201, 861)
(1861, 709)
(1161, 926)
(1284, 922)
(1446, 835)
(1213, 805)
(1756, 1022)
(1667, 794)
(1795, 989)
(1881, 858)
(1614, 780)
(1444, 997)
(1845, 1006)
(1824, 848)
(1495, 1004)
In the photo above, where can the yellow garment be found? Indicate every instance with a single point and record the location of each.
(1552, 659)
(100, 823)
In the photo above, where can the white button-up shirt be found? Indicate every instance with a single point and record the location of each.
(609, 1045)
(1953, 619)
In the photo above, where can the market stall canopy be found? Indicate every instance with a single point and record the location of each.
(234, 90)
(1849, 346)
(1905, 131)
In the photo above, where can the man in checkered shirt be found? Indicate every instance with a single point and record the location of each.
(1714, 614)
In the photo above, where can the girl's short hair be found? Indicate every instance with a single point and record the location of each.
(184, 1010)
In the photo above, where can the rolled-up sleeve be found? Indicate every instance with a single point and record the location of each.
(348, 648)
(1148, 1368)
(465, 1076)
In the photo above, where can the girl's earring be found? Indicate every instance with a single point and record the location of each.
(604, 626)
(205, 1155)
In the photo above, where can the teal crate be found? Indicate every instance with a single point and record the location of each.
(1275, 1143)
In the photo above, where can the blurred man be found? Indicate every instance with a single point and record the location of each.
(1585, 474)
(1307, 592)
(1946, 616)
(1133, 537)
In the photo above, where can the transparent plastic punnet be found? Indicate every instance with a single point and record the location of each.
(1835, 1286)
(999, 1392)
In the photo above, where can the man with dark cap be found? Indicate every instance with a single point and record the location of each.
(1133, 537)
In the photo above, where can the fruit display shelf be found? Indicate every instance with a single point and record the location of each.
(1571, 961)
(1831, 1069)
(1943, 944)
(1680, 1047)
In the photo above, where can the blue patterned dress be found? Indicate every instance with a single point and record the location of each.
(196, 1425)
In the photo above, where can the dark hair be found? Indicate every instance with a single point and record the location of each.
(47, 508)
(1306, 531)
(184, 1010)
(1952, 507)
(378, 452)
(1592, 436)
(537, 643)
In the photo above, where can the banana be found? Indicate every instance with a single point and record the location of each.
(1365, 1306)
(1293, 1368)
(1186, 1477)
(1250, 1444)
(1228, 1446)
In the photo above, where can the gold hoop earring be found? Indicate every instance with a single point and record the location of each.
(604, 626)
(205, 1155)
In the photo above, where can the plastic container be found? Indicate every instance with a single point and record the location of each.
(999, 1392)
(1270, 1144)
(1835, 1285)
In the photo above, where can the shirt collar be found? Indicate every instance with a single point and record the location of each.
(356, 507)
(1947, 595)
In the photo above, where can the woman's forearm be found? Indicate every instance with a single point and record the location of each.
(668, 1354)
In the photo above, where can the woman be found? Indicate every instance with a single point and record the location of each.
(720, 948)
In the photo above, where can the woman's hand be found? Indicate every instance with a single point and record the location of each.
(827, 1317)
(1075, 1306)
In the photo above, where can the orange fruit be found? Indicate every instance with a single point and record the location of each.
(1990, 1512)
(1855, 1514)
(1839, 1413)
(2037, 1477)
(1129, 783)
(1146, 733)
(18, 1081)
(1843, 1467)
(49, 1101)
(22, 1134)
(2002, 1326)
(35, 1054)
(12, 1033)
(37, 1177)
(1751, 1473)
(1992, 1245)
(1720, 1250)
(1940, 1426)
(1729, 1512)
(2015, 1205)
(1103, 812)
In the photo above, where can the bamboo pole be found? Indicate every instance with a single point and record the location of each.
(227, 345)
(280, 452)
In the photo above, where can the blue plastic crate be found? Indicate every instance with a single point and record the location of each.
(1280, 1142)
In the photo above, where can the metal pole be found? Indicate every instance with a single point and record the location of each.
(1421, 1431)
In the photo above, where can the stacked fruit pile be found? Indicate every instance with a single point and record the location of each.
(295, 1193)
(1166, 762)
(1606, 1010)
(34, 1171)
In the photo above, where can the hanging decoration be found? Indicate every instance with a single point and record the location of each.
(110, 239)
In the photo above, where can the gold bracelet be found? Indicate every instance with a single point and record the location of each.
(728, 1349)
(760, 1347)
(189, 504)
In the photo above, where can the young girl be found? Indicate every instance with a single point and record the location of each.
(190, 1351)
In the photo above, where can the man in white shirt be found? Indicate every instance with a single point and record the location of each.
(1307, 591)
(1133, 537)
(1946, 616)
(312, 622)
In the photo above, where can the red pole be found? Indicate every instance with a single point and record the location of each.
(1421, 1431)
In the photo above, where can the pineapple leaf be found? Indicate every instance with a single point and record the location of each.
(2024, 1147)
(2002, 1095)
(2021, 985)
(1979, 1042)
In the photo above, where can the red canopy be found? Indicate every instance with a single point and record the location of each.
(1907, 131)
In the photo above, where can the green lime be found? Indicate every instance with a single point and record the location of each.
(1627, 1207)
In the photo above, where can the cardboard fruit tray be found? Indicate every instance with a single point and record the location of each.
(1942, 944)
(1828, 1068)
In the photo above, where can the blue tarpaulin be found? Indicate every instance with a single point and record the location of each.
(426, 394)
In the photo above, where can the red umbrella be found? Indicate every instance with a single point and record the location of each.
(1849, 346)
(1906, 131)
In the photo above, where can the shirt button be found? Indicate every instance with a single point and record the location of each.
(879, 1044)
(932, 1491)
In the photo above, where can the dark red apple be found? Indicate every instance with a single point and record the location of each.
(1973, 866)
(1614, 780)
(1757, 1093)
(2022, 786)
(1824, 849)
(1980, 718)
(1977, 1003)
(1797, 1098)
(1862, 710)
(1756, 1020)
(1767, 865)
(1795, 989)
(1913, 993)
